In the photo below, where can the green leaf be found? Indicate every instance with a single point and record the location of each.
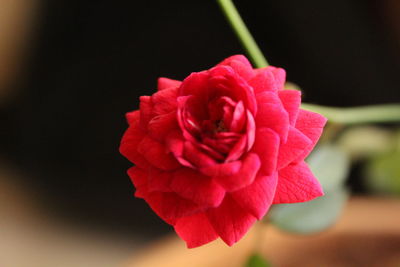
(365, 141)
(256, 260)
(383, 173)
(330, 165)
(312, 216)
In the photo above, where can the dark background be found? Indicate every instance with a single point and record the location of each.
(89, 61)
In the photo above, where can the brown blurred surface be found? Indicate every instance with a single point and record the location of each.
(31, 237)
(17, 18)
(367, 234)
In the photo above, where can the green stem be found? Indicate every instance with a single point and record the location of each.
(243, 34)
(358, 115)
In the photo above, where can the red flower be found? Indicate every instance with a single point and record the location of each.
(213, 152)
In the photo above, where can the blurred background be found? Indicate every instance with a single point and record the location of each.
(70, 70)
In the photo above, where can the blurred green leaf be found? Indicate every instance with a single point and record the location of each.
(382, 173)
(256, 260)
(365, 141)
(330, 165)
(312, 216)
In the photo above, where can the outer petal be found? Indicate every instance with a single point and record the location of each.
(159, 181)
(170, 207)
(296, 183)
(230, 220)
(257, 197)
(157, 154)
(164, 101)
(268, 97)
(245, 176)
(131, 140)
(275, 117)
(133, 117)
(146, 111)
(296, 143)
(165, 83)
(280, 76)
(311, 124)
(263, 81)
(196, 230)
(240, 58)
(223, 169)
(196, 187)
(291, 100)
(240, 64)
(139, 179)
(266, 146)
(160, 126)
(194, 84)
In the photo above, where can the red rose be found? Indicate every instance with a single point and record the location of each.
(213, 152)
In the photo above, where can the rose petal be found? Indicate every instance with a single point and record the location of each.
(263, 81)
(165, 83)
(296, 143)
(164, 101)
(186, 120)
(257, 197)
(225, 82)
(251, 129)
(157, 154)
(195, 84)
(241, 58)
(268, 97)
(241, 66)
(230, 220)
(139, 179)
(311, 124)
(291, 100)
(195, 156)
(216, 155)
(221, 142)
(296, 183)
(238, 149)
(275, 117)
(280, 76)
(223, 169)
(160, 126)
(159, 180)
(170, 207)
(245, 176)
(238, 118)
(133, 117)
(175, 144)
(146, 110)
(130, 141)
(200, 189)
(196, 230)
(266, 146)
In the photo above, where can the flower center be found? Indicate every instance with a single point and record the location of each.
(219, 130)
(220, 126)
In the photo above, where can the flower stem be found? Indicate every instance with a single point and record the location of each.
(243, 34)
(358, 115)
